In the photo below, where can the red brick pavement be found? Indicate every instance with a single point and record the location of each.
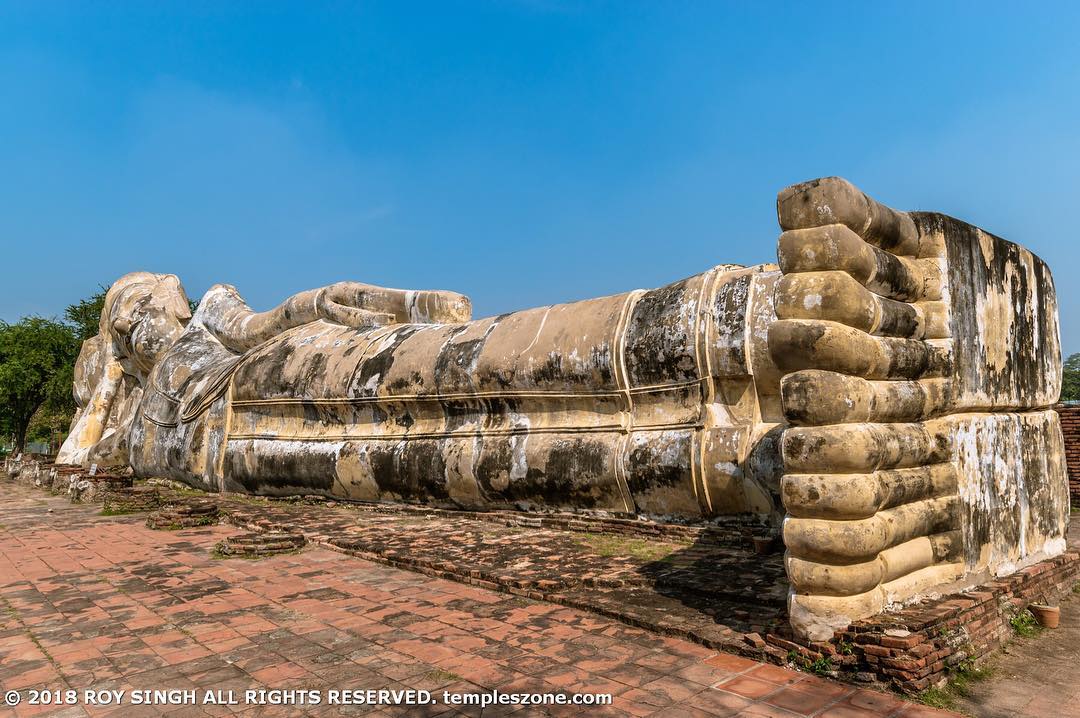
(104, 602)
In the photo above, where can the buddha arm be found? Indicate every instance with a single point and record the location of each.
(225, 314)
(94, 417)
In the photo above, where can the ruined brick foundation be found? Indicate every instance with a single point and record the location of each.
(1070, 429)
(918, 647)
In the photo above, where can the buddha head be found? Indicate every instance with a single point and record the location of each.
(143, 316)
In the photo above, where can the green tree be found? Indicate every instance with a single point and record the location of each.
(36, 360)
(37, 369)
(84, 316)
(1070, 379)
(50, 424)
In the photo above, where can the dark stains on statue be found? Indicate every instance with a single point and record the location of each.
(576, 470)
(412, 471)
(365, 381)
(454, 363)
(1031, 337)
(283, 474)
(656, 322)
(414, 380)
(654, 483)
(550, 371)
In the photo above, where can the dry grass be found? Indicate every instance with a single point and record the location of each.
(644, 550)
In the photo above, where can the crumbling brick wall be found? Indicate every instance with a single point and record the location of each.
(1070, 428)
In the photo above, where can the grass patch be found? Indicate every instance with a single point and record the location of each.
(45, 651)
(174, 526)
(170, 485)
(219, 555)
(822, 666)
(247, 499)
(185, 491)
(121, 512)
(439, 674)
(958, 686)
(937, 698)
(963, 678)
(1024, 624)
(609, 545)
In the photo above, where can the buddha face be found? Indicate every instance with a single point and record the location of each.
(144, 315)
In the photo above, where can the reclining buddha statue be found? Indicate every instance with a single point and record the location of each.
(883, 391)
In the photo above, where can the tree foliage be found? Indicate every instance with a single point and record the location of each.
(1070, 380)
(85, 315)
(49, 425)
(37, 370)
(37, 357)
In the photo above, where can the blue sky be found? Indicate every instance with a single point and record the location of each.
(524, 153)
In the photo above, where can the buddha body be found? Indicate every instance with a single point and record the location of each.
(644, 402)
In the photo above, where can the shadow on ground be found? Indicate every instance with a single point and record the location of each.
(724, 582)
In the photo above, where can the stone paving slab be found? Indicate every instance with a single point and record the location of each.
(105, 602)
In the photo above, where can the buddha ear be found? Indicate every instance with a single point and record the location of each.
(178, 299)
(180, 307)
(121, 326)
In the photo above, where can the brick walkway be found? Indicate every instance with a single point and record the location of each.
(104, 602)
(709, 585)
